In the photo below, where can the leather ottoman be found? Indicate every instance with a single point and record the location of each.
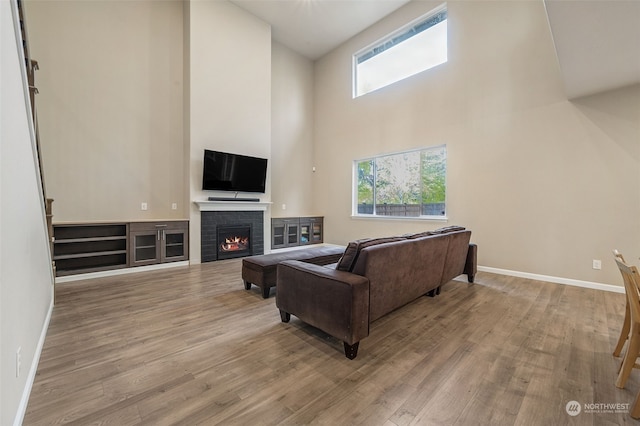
(261, 270)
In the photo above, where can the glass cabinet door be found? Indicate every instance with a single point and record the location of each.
(305, 234)
(158, 242)
(145, 247)
(317, 232)
(278, 235)
(173, 244)
(292, 234)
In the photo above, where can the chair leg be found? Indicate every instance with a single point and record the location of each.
(635, 407)
(624, 333)
(630, 357)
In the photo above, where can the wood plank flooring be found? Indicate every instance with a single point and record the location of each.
(190, 346)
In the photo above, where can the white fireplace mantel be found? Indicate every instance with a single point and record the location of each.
(226, 206)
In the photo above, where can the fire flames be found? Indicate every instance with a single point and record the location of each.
(235, 244)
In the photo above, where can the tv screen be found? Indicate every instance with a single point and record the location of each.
(233, 172)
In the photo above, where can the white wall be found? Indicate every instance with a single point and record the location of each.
(26, 280)
(546, 185)
(292, 157)
(229, 94)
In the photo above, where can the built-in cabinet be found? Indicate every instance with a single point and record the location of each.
(296, 231)
(158, 242)
(92, 247)
(285, 232)
(310, 230)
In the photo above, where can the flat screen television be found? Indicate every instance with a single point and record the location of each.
(233, 172)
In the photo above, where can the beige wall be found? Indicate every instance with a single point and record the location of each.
(26, 278)
(229, 93)
(292, 134)
(546, 185)
(111, 96)
(540, 180)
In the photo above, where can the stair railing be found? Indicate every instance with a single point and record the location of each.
(32, 67)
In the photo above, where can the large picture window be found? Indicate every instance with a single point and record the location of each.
(410, 183)
(417, 47)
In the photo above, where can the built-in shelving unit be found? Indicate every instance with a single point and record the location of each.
(296, 231)
(80, 248)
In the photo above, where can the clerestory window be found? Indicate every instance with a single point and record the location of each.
(417, 47)
(410, 183)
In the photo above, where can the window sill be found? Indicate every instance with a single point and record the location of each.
(405, 218)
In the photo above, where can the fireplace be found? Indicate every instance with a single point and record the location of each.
(211, 220)
(233, 241)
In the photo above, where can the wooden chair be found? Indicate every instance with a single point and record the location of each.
(631, 279)
(624, 333)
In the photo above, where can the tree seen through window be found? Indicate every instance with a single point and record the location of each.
(411, 183)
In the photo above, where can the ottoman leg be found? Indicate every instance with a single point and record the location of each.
(247, 285)
(265, 292)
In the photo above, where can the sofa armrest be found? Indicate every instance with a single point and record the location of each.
(336, 302)
(471, 265)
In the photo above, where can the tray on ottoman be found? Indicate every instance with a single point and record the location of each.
(261, 270)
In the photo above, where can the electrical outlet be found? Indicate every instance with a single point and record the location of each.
(284, 207)
(597, 264)
(143, 206)
(174, 206)
(18, 361)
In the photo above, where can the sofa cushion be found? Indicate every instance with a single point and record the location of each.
(439, 231)
(350, 255)
(447, 229)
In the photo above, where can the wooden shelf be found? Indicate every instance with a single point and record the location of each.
(90, 254)
(89, 247)
(88, 240)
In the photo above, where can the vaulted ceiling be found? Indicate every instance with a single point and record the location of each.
(597, 41)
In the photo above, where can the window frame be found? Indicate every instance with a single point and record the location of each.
(381, 43)
(374, 215)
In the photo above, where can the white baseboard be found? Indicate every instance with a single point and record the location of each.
(557, 280)
(26, 392)
(114, 272)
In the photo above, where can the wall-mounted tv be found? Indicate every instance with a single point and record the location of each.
(233, 172)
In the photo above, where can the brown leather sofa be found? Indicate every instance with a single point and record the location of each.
(373, 278)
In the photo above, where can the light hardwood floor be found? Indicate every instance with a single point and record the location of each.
(190, 346)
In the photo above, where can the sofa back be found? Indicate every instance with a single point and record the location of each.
(404, 269)
(456, 255)
(351, 253)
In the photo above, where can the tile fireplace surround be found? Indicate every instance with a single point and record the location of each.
(214, 213)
